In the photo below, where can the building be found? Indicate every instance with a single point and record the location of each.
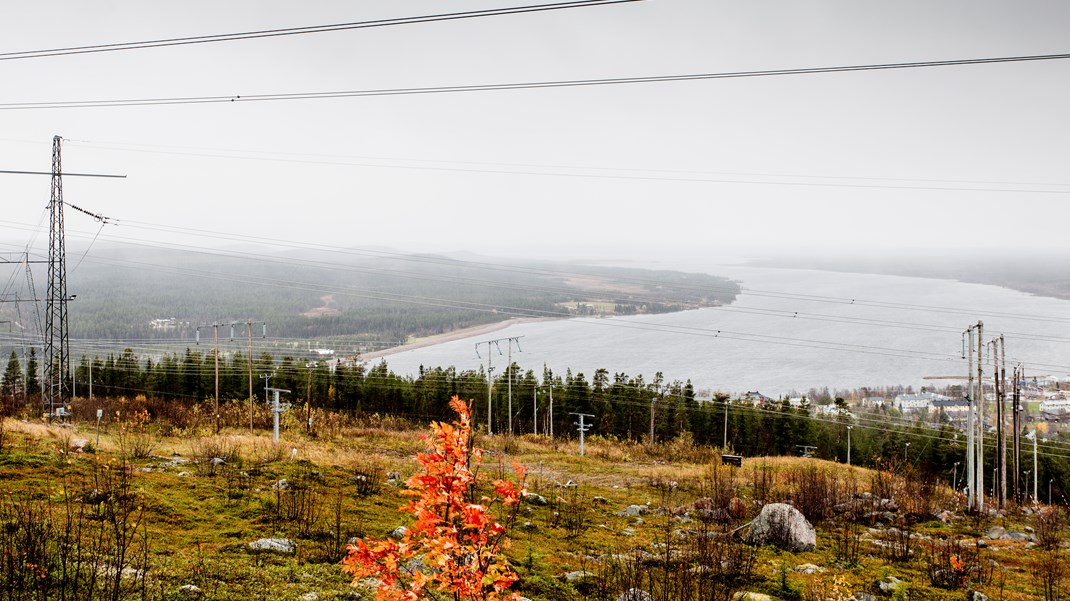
(914, 403)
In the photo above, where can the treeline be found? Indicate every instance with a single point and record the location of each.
(623, 407)
(384, 298)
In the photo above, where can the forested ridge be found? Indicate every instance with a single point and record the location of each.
(384, 299)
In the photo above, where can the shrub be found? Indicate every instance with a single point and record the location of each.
(455, 546)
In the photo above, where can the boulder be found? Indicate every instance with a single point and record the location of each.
(890, 584)
(783, 526)
(635, 594)
(284, 546)
(190, 591)
(399, 532)
(633, 511)
(535, 499)
(578, 575)
(809, 568)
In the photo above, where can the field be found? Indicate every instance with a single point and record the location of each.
(166, 512)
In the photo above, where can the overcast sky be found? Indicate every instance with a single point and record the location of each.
(605, 171)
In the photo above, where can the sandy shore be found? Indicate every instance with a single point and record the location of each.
(454, 335)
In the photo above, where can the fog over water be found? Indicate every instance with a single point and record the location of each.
(790, 330)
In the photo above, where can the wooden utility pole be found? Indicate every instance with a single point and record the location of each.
(980, 440)
(249, 333)
(1001, 398)
(215, 328)
(1016, 422)
(971, 419)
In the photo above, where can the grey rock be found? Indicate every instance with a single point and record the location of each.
(628, 532)
(310, 596)
(976, 596)
(749, 596)
(218, 461)
(860, 596)
(634, 594)
(578, 575)
(280, 485)
(274, 545)
(535, 499)
(190, 590)
(600, 501)
(184, 474)
(809, 568)
(783, 526)
(633, 511)
(890, 584)
(399, 532)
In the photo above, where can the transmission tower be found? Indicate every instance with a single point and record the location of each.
(57, 342)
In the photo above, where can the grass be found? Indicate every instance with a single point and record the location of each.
(199, 517)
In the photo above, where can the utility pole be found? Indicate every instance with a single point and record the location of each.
(582, 428)
(999, 371)
(551, 420)
(490, 381)
(215, 328)
(980, 440)
(724, 443)
(276, 409)
(509, 373)
(1016, 421)
(971, 416)
(249, 333)
(215, 337)
(1036, 473)
(308, 399)
(57, 341)
(848, 446)
(535, 411)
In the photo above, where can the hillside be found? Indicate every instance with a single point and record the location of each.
(626, 515)
(378, 297)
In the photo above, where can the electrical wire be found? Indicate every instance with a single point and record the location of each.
(531, 85)
(289, 31)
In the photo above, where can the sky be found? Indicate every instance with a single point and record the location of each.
(818, 162)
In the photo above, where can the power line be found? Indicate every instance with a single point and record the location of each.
(273, 33)
(568, 83)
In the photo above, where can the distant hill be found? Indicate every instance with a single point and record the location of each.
(356, 295)
(1042, 274)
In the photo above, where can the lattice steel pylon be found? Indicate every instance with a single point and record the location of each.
(57, 384)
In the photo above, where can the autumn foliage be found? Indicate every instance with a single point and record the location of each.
(453, 550)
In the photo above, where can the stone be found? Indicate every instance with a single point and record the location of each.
(783, 526)
(976, 596)
(310, 596)
(218, 461)
(599, 500)
(190, 590)
(890, 584)
(749, 596)
(578, 575)
(809, 568)
(996, 533)
(633, 511)
(628, 532)
(399, 532)
(280, 485)
(861, 596)
(284, 546)
(634, 594)
(535, 499)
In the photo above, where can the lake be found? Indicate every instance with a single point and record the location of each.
(790, 330)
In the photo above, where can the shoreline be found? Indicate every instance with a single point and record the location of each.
(454, 335)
